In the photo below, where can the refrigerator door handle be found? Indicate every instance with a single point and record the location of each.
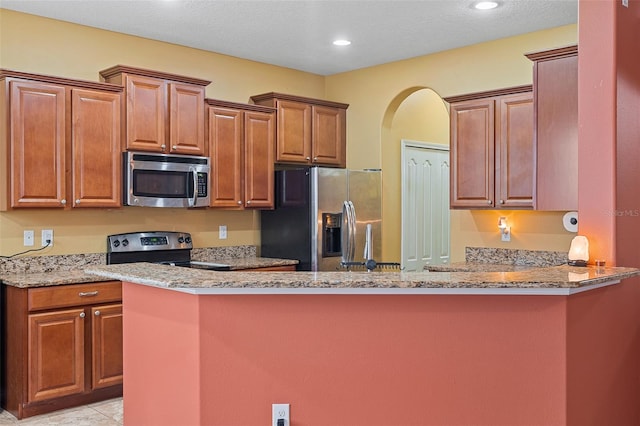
(352, 232)
(348, 233)
(345, 235)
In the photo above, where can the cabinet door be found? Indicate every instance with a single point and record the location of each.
(329, 136)
(146, 118)
(515, 152)
(225, 148)
(38, 138)
(472, 153)
(96, 148)
(259, 134)
(186, 119)
(106, 352)
(294, 132)
(56, 354)
(556, 98)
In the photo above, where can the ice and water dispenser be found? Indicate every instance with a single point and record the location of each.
(331, 229)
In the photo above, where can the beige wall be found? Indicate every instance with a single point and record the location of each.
(375, 95)
(39, 45)
(45, 46)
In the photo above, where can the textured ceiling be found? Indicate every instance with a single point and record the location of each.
(298, 34)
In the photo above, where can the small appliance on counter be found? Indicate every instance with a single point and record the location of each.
(167, 248)
(322, 216)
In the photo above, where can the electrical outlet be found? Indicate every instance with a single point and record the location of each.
(47, 235)
(28, 238)
(506, 234)
(280, 412)
(222, 232)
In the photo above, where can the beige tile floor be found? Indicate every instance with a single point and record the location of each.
(104, 413)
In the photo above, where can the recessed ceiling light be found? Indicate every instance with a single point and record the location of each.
(341, 42)
(486, 5)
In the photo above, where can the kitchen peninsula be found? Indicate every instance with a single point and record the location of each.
(347, 348)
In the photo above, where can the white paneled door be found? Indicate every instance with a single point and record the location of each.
(425, 204)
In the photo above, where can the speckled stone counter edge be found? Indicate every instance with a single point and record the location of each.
(554, 280)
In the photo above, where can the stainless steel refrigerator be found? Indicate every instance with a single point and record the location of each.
(321, 216)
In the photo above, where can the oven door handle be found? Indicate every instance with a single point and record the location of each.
(193, 200)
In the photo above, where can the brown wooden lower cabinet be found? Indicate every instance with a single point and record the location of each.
(62, 346)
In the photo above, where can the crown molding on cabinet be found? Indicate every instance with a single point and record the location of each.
(5, 73)
(125, 69)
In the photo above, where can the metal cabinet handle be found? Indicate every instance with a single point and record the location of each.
(82, 315)
(77, 201)
(308, 158)
(501, 201)
(249, 202)
(163, 146)
(315, 158)
(174, 147)
(63, 202)
(97, 313)
(488, 201)
(88, 293)
(239, 202)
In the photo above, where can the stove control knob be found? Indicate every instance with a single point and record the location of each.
(125, 242)
(181, 239)
(116, 243)
(188, 240)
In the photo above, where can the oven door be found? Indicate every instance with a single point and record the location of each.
(159, 180)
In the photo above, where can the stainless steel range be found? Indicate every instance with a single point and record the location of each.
(168, 248)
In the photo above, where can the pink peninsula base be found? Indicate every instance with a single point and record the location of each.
(382, 359)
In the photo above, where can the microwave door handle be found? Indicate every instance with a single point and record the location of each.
(194, 199)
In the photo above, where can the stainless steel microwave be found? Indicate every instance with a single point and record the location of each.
(164, 180)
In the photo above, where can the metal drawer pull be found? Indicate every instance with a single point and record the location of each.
(88, 293)
(97, 313)
(81, 314)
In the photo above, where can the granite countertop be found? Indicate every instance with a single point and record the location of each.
(39, 277)
(254, 262)
(46, 279)
(565, 278)
(477, 267)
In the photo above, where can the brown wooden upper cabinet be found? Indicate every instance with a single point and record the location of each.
(241, 145)
(492, 153)
(62, 142)
(555, 92)
(309, 131)
(164, 112)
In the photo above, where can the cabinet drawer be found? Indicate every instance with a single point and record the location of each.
(74, 295)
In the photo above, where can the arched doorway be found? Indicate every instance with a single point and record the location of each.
(418, 114)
